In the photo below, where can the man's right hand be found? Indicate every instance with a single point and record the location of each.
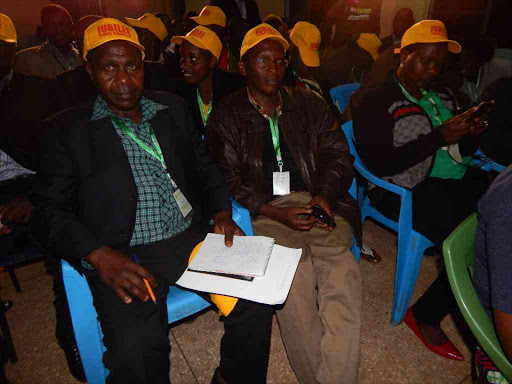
(293, 217)
(454, 129)
(121, 273)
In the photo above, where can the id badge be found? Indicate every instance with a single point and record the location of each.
(281, 183)
(454, 152)
(182, 202)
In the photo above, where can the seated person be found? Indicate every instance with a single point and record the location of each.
(406, 134)
(203, 84)
(57, 54)
(214, 18)
(283, 152)
(403, 20)
(491, 270)
(128, 174)
(237, 28)
(305, 41)
(152, 34)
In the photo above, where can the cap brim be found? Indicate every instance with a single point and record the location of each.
(140, 47)
(8, 40)
(310, 58)
(140, 24)
(279, 39)
(195, 42)
(454, 47)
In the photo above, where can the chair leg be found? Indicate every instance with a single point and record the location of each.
(14, 279)
(410, 255)
(4, 326)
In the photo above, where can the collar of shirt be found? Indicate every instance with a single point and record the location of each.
(149, 109)
(5, 81)
(259, 108)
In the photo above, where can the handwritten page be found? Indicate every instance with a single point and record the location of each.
(270, 289)
(248, 256)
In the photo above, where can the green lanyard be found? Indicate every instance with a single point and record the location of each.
(205, 116)
(436, 115)
(156, 153)
(274, 129)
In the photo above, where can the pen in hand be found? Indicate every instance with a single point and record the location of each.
(150, 291)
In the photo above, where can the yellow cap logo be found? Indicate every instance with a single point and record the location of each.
(438, 30)
(113, 30)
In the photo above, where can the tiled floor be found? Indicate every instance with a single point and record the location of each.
(389, 354)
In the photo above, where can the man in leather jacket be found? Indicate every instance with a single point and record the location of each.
(282, 152)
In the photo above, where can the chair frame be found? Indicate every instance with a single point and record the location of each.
(459, 256)
(411, 244)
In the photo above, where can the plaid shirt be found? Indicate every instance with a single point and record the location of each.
(10, 169)
(158, 216)
(259, 108)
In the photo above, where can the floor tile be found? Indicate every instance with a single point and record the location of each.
(23, 274)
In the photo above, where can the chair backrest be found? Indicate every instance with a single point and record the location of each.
(458, 251)
(340, 95)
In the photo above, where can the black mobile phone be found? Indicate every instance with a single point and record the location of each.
(321, 215)
(483, 109)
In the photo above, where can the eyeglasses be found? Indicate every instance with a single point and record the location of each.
(266, 62)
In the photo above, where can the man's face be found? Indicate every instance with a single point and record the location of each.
(403, 20)
(421, 67)
(59, 28)
(264, 67)
(7, 51)
(150, 42)
(117, 70)
(195, 63)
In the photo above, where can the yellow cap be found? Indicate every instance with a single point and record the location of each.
(429, 31)
(211, 15)
(203, 38)
(106, 30)
(272, 17)
(150, 22)
(370, 43)
(258, 34)
(7, 30)
(307, 38)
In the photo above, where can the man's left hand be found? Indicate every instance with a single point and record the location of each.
(322, 202)
(17, 211)
(224, 225)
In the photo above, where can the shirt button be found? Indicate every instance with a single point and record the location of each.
(164, 201)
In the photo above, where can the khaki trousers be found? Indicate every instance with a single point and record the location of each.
(320, 321)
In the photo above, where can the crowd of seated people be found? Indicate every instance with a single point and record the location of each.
(123, 137)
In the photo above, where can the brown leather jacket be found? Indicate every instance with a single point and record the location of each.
(235, 136)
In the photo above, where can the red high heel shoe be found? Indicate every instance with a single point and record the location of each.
(447, 349)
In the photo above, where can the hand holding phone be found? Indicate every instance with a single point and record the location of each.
(481, 110)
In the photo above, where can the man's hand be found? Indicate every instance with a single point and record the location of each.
(121, 273)
(454, 129)
(294, 217)
(17, 211)
(224, 225)
(322, 202)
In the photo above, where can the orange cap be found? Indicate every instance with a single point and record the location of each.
(7, 30)
(429, 31)
(307, 38)
(106, 30)
(151, 23)
(203, 38)
(211, 15)
(258, 34)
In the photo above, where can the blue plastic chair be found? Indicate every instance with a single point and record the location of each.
(485, 163)
(340, 95)
(88, 334)
(411, 244)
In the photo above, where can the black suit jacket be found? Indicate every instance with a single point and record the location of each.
(87, 196)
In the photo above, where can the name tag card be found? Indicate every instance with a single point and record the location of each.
(281, 183)
(182, 202)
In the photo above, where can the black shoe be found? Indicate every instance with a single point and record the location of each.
(73, 358)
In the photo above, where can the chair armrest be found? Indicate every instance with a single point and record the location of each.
(241, 217)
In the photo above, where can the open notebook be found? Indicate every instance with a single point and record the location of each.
(248, 256)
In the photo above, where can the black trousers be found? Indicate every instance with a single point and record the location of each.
(136, 334)
(439, 206)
